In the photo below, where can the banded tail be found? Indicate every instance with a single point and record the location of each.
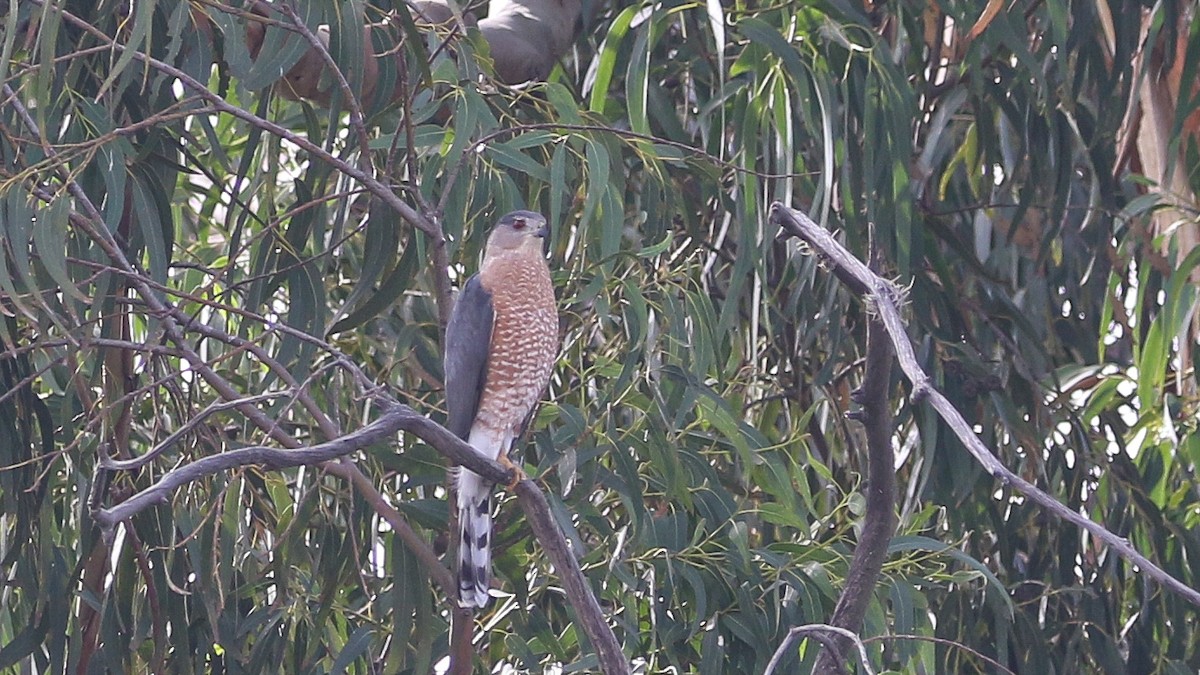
(474, 539)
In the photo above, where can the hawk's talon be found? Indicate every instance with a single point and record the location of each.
(517, 471)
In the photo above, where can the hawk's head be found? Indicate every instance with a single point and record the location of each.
(519, 231)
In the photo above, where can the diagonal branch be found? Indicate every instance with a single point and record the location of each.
(396, 418)
(351, 99)
(537, 510)
(884, 298)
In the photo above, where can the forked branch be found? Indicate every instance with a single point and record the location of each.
(884, 299)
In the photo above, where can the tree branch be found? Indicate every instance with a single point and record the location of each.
(587, 610)
(380, 431)
(885, 299)
(396, 418)
(879, 521)
(826, 635)
(1000, 667)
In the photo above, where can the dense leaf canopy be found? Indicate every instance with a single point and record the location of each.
(193, 263)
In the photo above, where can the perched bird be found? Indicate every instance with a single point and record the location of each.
(501, 344)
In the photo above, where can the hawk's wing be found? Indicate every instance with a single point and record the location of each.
(468, 341)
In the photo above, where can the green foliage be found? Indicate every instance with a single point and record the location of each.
(694, 448)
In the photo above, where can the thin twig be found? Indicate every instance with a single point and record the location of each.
(515, 129)
(1000, 667)
(195, 420)
(884, 298)
(356, 115)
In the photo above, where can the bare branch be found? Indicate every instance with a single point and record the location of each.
(884, 297)
(879, 521)
(537, 510)
(826, 635)
(380, 431)
(396, 418)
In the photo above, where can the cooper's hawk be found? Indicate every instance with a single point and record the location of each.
(501, 344)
